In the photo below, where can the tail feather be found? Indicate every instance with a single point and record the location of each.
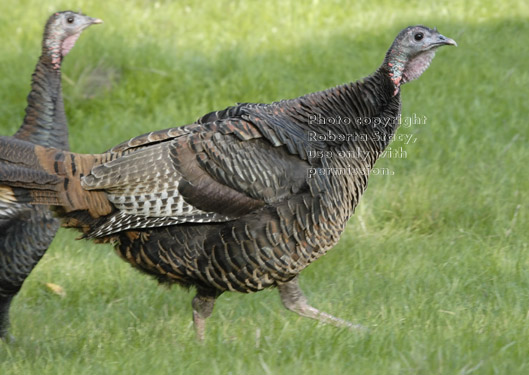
(16, 175)
(24, 185)
(18, 153)
(38, 175)
(24, 195)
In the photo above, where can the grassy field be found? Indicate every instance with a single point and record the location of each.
(435, 261)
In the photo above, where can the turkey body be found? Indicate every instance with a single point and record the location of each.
(302, 204)
(24, 239)
(26, 231)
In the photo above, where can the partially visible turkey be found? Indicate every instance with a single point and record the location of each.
(235, 201)
(27, 231)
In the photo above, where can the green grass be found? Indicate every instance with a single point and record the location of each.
(435, 261)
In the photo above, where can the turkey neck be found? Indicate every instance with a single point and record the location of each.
(349, 124)
(348, 127)
(361, 115)
(45, 121)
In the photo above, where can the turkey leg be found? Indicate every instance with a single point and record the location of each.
(294, 300)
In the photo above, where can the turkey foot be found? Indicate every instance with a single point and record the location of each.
(294, 300)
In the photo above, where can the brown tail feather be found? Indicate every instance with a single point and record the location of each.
(39, 197)
(48, 176)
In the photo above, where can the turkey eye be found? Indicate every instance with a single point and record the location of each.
(70, 20)
(419, 36)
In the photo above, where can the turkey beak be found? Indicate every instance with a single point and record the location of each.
(96, 20)
(443, 40)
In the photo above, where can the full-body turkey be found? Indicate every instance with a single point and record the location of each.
(26, 231)
(235, 201)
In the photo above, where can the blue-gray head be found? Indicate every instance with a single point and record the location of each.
(61, 33)
(412, 52)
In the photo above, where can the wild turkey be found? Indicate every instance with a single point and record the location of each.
(26, 231)
(236, 201)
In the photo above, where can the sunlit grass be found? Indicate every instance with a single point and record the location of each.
(435, 261)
